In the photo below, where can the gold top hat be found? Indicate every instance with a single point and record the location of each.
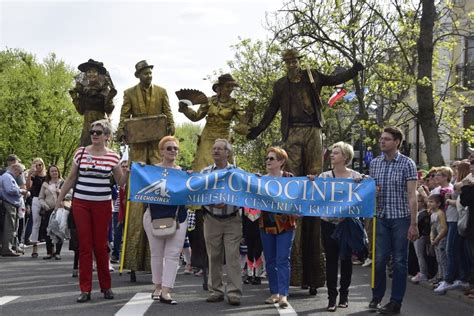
(91, 63)
(224, 79)
(143, 64)
(289, 54)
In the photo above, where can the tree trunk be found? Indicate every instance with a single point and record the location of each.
(424, 86)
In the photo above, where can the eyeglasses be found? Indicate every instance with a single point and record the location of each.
(39, 165)
(270, 158)
(170, 148)
(96, 132)
(432, 175)
(385, 139)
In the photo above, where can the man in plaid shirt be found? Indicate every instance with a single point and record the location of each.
(396, 180)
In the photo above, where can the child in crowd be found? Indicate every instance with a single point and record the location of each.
(439, 230)
(424, 227)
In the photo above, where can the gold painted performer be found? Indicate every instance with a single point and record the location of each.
(297, 96)
(220, 110)
(142, 101)
(93, 95)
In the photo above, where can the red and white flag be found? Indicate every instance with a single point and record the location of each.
(338, 94)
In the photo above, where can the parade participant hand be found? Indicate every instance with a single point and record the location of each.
(311, 177)
(253, 133)
(358, 66)
(189, 171)
(141, 163)
(219, 206)
(413, 233)
(434, 242)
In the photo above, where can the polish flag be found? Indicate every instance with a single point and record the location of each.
(338, 94)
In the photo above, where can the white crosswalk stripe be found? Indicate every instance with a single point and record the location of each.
(6, 299)
(137, 306)
(287, 311)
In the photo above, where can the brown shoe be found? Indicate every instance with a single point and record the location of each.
(234, 301)
(215, 298)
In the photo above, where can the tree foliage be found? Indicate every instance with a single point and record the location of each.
(38, 118)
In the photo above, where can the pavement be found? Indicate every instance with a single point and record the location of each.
(45, 287)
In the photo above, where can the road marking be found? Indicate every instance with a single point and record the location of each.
(138, 305)
(7, 299)
(285, 311)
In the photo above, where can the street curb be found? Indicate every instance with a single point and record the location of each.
(456, 294)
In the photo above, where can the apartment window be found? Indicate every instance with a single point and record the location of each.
(465, 71)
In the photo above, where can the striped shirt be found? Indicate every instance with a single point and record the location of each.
(391, 178)
(93, 183)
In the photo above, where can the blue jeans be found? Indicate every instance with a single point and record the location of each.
(277, 250)
(118, 229)
(391, 240)
(456, 249)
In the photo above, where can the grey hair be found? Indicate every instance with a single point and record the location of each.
(16, 166)
(105, 124)
(228, 145)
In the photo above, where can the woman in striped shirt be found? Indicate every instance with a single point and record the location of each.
(92, 205)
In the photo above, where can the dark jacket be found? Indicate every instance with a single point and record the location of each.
(467, 199)
(281, 98)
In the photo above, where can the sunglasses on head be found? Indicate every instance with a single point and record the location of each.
(95, 132)
(270, 158)
(170, 148)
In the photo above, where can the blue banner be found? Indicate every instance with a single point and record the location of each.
(329, 197)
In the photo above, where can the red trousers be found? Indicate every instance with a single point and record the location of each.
(92, 222)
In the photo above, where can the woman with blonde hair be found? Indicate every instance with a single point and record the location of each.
(165, 250)
(341, 156)
(92, 166)
(34, 181)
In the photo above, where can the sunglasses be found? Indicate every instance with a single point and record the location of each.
(95, 132)
(270, 158)
(170, 148)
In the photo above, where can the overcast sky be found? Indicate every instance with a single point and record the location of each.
(185, 40)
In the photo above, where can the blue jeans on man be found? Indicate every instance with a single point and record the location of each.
(277, 251)
(391, 241)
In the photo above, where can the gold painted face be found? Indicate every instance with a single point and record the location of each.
(145, 76)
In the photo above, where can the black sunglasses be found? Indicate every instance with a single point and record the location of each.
(95, 132)
(170, 148)
(270, 158)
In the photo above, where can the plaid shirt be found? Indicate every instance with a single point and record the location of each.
(391, 178)
(227, 210)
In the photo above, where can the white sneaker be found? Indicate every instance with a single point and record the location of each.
(111, 268)
(418, 278)
(442, 287)
(458, 284)
(367, 263)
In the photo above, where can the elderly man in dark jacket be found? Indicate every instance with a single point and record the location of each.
(297, 96)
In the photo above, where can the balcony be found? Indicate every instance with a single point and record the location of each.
(465, 74)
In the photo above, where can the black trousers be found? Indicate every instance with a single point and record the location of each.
(251, 233)
(331, 248)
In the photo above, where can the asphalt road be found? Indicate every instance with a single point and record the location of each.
(38, 287)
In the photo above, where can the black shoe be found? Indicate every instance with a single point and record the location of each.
(343, 302)
(256, 280)
(331, 305)
(390, 308)
(374, 304)
(108, 294)
(246, 279)
(74, 273)
(205, 287)
(133, 276)
(84, 297)
(48, 257)
(313, 291)
(166, 301)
